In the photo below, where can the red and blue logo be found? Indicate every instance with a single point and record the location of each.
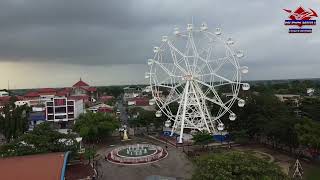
(300, 17)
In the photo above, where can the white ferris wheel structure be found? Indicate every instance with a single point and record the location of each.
(199, 72)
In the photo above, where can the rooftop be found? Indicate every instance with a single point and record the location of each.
(80, 83)
(36, 167)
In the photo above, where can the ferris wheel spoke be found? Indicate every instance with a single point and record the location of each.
(213, 91)
(220, 64)
(195, 53)
(166, 70)
(173, 91)
(219, 104)
(223, 84)
(207, 63)
(223, 78)
(165, 86)
(176, 61)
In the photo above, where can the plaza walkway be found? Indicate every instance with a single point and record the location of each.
(174, 165)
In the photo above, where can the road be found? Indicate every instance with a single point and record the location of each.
(123, 112)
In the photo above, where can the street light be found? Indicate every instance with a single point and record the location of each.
(167, 124)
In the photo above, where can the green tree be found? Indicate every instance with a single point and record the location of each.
(90, 153)
(264, 117)
(311, 108)
(115, 91)
(235, 166)
(146, 118)
(95, 126)
(42, 139)
(14, 121)
(202, 138)
(309, 135)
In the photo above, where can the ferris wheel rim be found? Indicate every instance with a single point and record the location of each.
(234, 81)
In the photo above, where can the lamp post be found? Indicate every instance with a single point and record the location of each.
(221, 128)
(167, 124)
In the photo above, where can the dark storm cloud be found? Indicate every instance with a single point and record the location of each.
(97, 32)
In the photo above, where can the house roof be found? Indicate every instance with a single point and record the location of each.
(47, 90)
(80, 83)
(105, 98)
(79, 171)
(49, 166)
(5, 98)
(64, 92)
(32, 94)
(105, 109)
(102, 105)
(79, 97)
(140, 101)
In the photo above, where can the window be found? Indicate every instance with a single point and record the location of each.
(50, 110)
(50, 117)
(49, 103)
(70, 102)
(60, 110)
(61, 117)
(71, 116)
(70, 109)
(60, 102)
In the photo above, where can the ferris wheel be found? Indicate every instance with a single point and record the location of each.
(197, 72)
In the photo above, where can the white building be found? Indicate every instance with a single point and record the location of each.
(4, 93)
(22, 102)
(101, 108)
(63, 111)
(130, 93)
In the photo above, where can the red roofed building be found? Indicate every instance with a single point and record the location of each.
(138, 101)
(80, 90)
(83, 89)
(32, 94)
(47, 91)
(104, 108)
(105, 99)
(50, 166)
(65, 92)
(80, 83)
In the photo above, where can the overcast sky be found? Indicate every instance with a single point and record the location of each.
(52, 43)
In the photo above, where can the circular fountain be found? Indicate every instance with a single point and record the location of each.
(136, 154)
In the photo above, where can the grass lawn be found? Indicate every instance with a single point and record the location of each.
(312, 173)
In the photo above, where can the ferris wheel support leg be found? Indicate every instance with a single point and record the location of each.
(186, 88)
(192, 85)
(206, 109)
(174, 127)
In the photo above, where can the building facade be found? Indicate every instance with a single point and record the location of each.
(62, 112)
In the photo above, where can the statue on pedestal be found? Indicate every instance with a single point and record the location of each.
(125, 135)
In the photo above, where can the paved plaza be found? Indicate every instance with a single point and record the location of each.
(174, 165)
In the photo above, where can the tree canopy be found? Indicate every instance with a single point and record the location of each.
(14, 121)
(265, 117)
(309, 135)
(235, 166)
(145, 118)
(95, 126)
(202, 138)
(111, 90)
(42, 139)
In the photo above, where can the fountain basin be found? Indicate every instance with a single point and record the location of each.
(136, 154)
